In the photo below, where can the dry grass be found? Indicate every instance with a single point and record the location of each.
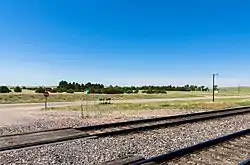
(28, 96)
(31, 97)
(229, 91)
(125, 109)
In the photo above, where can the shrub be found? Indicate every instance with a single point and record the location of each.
(161, 91)
(4, 89)
(150, 91)
(60, 90)
(54, 90)
(136, 91)
(113, 90)
(129, 91)
(70, 91)
(40, 90)
(17, 89)
(48, 89)
(31, 88)
(99, 91)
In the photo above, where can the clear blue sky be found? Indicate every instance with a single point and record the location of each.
(125, 42)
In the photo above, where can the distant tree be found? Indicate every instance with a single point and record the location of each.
(150, 91)
(71, 86)
(136, 91)
(63, 83)
(202, 88)
(30, 88)
(64, 86)
(60, 90)
(4, 89)
(113, 90)
(54, 90)
(160, 91)
(88, 85)
(70, 91)
(77, 87)
(48, 89)
(98, 91)
(129, 91)
(40, 90)
(23, 87)
(17, 89)
(206, 89)
(82, 87)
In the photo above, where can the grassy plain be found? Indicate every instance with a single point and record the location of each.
(158, 107)
(234, 91)
(28, 96)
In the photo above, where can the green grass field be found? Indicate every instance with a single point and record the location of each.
(28, 96)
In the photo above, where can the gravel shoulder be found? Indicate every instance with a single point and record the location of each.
(15, 121)
(22, 113)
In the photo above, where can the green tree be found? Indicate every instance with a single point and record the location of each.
(136, 91)
(63, 83)
(150, 91)
(40, 90)
(30, 88)
(54, 90)
(4, 89)
(206, 89)
(60, 90)
(77, 87)
(17, 89)
(48, 89)
(129, 91)
(70, 91)
(99, 88)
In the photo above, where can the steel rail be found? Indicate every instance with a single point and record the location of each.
(82, 132)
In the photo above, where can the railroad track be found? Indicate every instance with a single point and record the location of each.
(229, 153)
(231, 149)
(17, 141)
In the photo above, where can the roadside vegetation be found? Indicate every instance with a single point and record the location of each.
(17, 89)
(64, 86)
(72, 91)
(71, 87)
(31, 97)
(4, 89)
(198, 105)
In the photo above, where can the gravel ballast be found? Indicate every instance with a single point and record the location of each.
(146, 144)
(54, 120)
(43, 120)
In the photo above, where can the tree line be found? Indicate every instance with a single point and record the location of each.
(5, 89)
(95, 88)
(71, 87)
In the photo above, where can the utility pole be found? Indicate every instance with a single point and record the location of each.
(214, 85)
